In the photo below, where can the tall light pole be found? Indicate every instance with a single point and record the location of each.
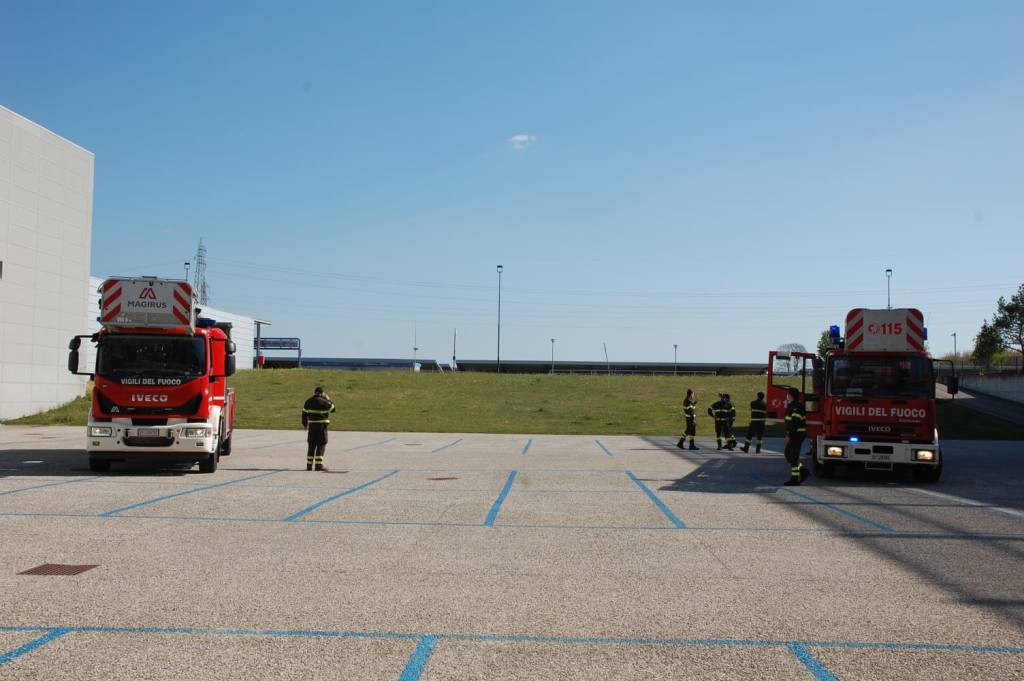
(500, 268)
(954, 355)
(187, 265)
(675, 357)
(552, 356)
(888, 289)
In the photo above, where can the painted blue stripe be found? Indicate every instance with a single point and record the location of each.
(450, 444)
(493, 513)
(51, 635)
(599, 444)
(527, 447)
(419, 659)
(672, 517)
(833, 507)
(794, 646)
(190, 491)
(49, 484)
(295, 516)
(813, 664)
(372, 444)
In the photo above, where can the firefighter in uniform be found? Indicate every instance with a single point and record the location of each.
(720, 412)
(796, 431)
(755, 431)
(690, 413)
(730, 416)
(316, 415)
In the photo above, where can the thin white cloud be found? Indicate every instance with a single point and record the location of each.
(522, 141)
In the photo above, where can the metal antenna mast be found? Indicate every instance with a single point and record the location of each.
(202, 291)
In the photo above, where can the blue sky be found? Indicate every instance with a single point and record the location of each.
(722, 176)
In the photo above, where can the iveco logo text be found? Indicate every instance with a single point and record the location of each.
(884, 412)
(149, 398)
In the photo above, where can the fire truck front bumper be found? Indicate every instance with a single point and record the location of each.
(880, 455)
(179, 443)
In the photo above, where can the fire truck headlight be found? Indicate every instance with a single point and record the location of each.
(100, 431)
(924, 455)
(835, 451)
(196, 432)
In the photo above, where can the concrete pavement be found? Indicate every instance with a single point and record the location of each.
(470, 556)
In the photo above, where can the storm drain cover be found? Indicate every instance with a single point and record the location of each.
(442, 478)
(57, 570)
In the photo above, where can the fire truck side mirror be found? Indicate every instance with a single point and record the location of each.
(953, 385)
(229, 365)
(73, 360)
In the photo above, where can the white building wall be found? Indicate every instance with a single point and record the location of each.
(46, 186)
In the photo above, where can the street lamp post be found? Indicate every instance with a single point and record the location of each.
(552, 356)
(955, 357)
(500, 268)
(675, 357)
(888, 289)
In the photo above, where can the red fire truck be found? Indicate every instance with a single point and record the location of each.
(871, 400)
(159, 391)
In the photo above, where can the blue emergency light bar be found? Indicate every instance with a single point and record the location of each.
(833, 331)
(854, 439)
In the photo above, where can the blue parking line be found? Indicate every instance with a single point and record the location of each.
(190, 491)
(309, 509)
(833, 507)
(49, 484)
(672, 517)
(599, 444)
(51, 635)
(813, 664)
(418, 661)
(527, 447)
(493, 513)
(450, 444)
(426, 642)
(372, 444)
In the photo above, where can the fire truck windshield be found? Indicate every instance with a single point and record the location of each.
(166, 356)
(881, 376)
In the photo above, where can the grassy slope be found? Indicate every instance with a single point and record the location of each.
(511, 403)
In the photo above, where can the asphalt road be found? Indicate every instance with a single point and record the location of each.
(468, 556)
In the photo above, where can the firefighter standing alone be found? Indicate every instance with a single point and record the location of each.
(796, 431)
(690, 413)
(316, 416)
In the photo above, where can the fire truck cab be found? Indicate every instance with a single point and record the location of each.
(871, 401)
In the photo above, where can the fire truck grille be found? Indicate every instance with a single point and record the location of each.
(57, 570)
(149, 441)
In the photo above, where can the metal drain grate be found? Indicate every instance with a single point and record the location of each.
(57, 570)
(442, 478)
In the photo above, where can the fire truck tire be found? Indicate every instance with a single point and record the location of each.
(225, 447)
(209, 464)
(928, 474)
(823, 469)
(98, 465)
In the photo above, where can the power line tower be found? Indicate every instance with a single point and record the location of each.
(202, 291)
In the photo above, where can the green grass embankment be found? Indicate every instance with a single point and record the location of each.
(509, 403)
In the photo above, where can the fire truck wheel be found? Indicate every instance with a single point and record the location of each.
(98, 465)
(209, 464)
(225, 447)
(823, 469)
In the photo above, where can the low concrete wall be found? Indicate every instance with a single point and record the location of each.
(1007, 387)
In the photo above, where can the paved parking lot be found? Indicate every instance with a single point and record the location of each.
(469, 556)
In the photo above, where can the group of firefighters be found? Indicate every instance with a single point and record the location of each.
(724, 414)
(317, 410)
